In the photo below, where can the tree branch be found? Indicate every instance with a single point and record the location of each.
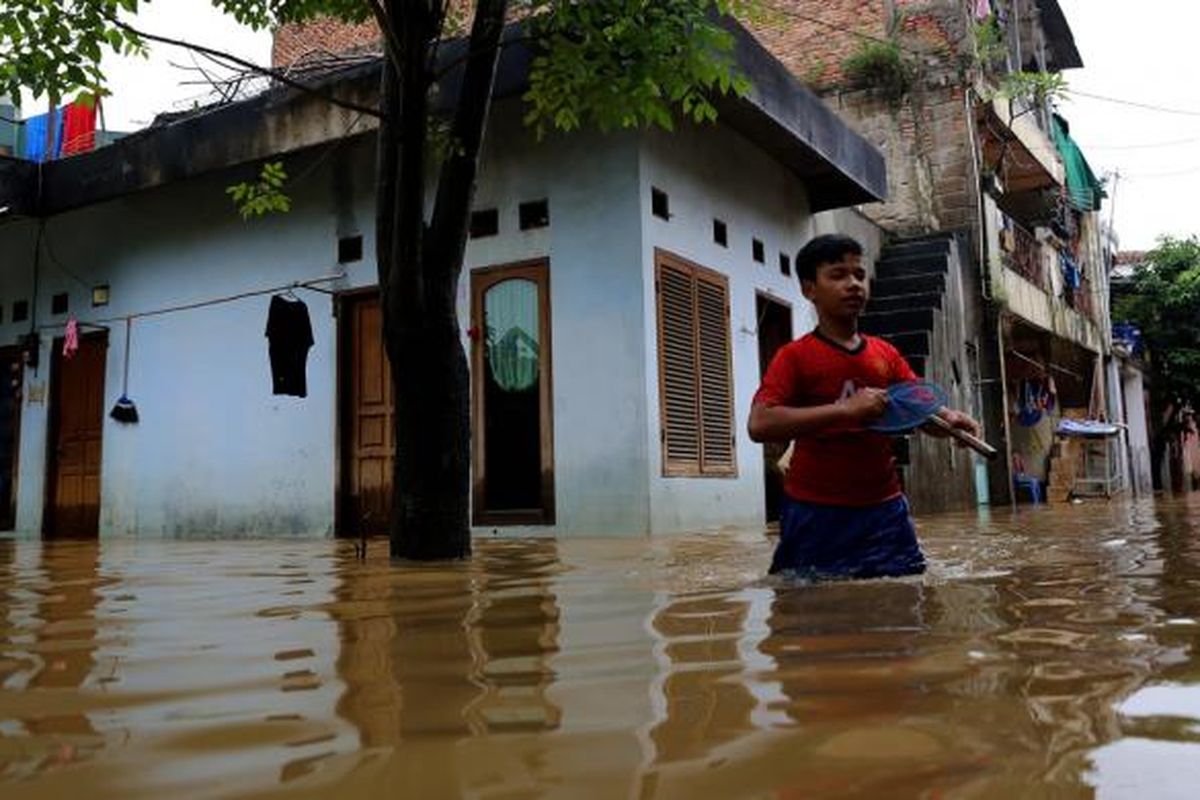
(451, 209)
(271, 73)
(382, 20)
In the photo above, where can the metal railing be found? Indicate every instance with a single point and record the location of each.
(1023, 254)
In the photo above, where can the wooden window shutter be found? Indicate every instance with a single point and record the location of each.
(695, 376)
(677, 371)
(716, 392)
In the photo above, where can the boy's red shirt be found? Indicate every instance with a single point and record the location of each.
(848, 465)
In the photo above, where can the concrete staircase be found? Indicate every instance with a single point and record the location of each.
(908, 294)
(917, 304)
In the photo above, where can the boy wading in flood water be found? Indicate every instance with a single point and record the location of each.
(844, 514)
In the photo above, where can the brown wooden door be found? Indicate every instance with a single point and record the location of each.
(76, 422)
(368, 443)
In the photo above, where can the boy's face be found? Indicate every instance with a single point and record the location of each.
(840, 290)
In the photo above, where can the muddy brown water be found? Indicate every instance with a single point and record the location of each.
(1047, 653)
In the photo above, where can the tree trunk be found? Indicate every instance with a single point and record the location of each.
(419, 269)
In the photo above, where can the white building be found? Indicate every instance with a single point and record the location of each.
(635, 277)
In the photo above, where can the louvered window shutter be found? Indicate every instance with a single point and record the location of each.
(716, 400)
(694, 370)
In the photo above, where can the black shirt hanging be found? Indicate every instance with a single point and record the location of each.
(289, 336)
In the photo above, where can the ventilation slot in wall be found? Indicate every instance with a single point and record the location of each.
(485, 222)
(535, 214)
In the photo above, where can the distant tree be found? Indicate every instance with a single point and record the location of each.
(602, 63)
(1165, 305)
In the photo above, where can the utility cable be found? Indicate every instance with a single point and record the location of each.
(1135, 104)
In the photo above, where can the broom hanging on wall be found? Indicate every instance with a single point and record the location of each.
(124, 410)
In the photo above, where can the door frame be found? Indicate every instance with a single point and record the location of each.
(54, 419)
(763, 297)
(538, 271)
(16, 353)
(342, 397)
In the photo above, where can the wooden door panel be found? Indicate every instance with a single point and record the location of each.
(368, 443)
(76, 426)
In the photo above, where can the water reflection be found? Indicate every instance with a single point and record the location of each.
(61, 655)
(431, 657)
(1051, 651)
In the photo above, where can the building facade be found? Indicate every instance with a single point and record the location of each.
(619, 297)
(960, 95)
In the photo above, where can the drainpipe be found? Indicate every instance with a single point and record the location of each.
(999, 474)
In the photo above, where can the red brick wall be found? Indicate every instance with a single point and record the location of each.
(293, 42)
(924, 138)
(812, 50)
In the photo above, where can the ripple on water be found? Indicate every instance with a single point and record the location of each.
(1043, 653)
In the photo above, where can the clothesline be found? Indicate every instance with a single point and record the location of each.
(1042, 367)
(310, 284)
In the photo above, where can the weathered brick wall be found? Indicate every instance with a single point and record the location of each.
(293, 42)
(925, 136)
(813, 37)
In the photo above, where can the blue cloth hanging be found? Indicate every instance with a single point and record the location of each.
(1072, 278)
(35, 137)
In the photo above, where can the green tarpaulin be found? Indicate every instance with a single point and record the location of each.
(1083, 187)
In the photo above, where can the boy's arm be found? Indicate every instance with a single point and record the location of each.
(957, 419)
(781, 423)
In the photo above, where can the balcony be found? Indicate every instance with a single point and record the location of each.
(1016, 149)
(1043, 286)
(1022, 253)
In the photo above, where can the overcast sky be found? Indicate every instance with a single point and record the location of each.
(1141, 52)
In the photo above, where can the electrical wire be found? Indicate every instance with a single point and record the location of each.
(1141, 146)
(1135, 104)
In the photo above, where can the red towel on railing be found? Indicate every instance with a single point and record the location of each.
(79, 128)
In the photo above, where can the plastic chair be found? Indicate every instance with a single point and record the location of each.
(1031, 485)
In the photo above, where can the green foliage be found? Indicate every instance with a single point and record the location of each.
(1165, 305)
(991, 51)
(628, 63)
(881, 67)
(53, 49)
(1034, 88)
(264, 195)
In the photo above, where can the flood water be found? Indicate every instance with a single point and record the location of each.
(1051, 652)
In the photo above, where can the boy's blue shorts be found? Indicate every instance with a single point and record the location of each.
(819, 541)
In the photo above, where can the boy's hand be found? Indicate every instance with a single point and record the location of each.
(866, 404)
(957, 419)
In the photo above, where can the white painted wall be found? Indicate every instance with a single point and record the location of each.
(707, 173)
(1134, 404)
(215, 453)
(598, 333)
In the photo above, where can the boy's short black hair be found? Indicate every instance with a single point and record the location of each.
(827, 249)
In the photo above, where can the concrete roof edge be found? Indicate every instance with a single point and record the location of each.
(779, 113)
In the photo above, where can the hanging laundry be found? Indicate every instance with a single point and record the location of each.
(35, 137)
(71, 339)
(1028, 413)
(1072, 278)
(79, 128)
(289, 337)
